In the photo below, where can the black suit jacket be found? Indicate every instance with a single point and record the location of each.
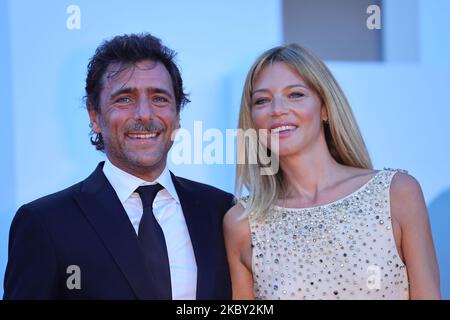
(87, 226)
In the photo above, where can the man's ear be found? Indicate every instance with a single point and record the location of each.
(94, 118)
(179, 122)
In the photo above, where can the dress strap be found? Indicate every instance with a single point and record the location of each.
(244, 201)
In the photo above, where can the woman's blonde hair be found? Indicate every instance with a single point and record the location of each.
(342, 134)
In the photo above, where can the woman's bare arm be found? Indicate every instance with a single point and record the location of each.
(238, 245)
(409, 210)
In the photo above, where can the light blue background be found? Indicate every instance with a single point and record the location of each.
(401, 104)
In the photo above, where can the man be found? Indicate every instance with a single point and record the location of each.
(131, 230)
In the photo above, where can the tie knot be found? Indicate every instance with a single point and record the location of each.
(148, 193)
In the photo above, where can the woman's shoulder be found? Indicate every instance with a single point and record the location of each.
(404, 185)
(400, 183)
(234, 216)
(407, 200)
(362, 174)
(235, 211)
(236, 227)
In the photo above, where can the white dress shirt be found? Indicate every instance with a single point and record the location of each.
(168, 213)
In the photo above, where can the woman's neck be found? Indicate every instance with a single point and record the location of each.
(307, 173)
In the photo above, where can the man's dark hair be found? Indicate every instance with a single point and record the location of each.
(126, 50)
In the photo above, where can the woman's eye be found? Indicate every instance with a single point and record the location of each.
(296, 95)
(261, 101)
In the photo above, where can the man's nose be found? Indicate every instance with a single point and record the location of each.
(144, 109)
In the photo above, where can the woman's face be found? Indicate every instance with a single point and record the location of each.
(283, 104)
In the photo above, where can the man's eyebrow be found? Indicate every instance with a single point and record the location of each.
(129, 90)
(121, 91)
(160, 90)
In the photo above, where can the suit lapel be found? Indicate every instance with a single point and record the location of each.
(103, 209)
(199, 227)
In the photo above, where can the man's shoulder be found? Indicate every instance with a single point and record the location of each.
(49, 210)
(56, 199)
(204, 188)
(65, 196)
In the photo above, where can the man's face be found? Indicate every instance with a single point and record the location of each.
(137, 116)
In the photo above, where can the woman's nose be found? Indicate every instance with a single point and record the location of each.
(279, 105)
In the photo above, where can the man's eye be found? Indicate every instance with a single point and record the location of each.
(123, 100)
(296, 95)
(160, 99)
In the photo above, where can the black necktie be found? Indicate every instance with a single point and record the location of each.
(153, 242)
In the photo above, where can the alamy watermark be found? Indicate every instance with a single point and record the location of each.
(212, 146)
(374, 277)
(373, 22)
(74, 279)
(73, 21)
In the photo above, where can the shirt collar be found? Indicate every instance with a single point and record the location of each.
(125, 183)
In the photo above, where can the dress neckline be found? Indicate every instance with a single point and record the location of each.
(362, 187)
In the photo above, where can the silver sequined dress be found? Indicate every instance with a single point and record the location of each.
(341, 250)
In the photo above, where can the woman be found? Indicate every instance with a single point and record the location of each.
(326, 225)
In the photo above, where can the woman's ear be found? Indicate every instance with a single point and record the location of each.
(324, 113)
